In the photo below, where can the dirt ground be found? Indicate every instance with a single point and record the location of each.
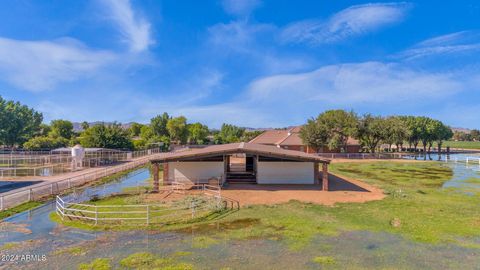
(340, 190)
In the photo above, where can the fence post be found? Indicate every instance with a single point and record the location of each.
(51, 189)
(30, 195)
(96, 215)
(148, 214)
(1, 203)
(193, 209)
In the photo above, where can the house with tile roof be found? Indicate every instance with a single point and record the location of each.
(290, 139)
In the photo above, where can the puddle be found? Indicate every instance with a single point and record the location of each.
(38, 222)
(65, 248)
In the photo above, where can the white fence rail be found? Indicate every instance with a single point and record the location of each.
(15, 165)
(362, 155)
(11, 199)
(466, 160)
(145, 213)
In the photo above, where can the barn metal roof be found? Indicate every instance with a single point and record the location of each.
(235, 148)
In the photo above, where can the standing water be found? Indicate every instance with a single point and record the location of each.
(38, 235)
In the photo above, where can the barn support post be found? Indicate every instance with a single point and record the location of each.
(155, 177)
(316, 178)
(325, 176)
(165, 173)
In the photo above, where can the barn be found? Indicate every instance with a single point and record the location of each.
(241, 163)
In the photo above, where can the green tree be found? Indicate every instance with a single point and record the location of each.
(313, 135)
(396, 132)
(148, 139)
(18, 123)
(61, 128)
(229, 134)
(197, 133)
(135, 129)
(461, 136)
(442, 133)
(106, 136)
(85, 125)
(414, 130)
(178, 130)
(250, 135)
(45, 143)
(43, 130)
(371, 131)
(339, 125)
(159, 124)
(475, 135)
(425, 127)
(146, 132)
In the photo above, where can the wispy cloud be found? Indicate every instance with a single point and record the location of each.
(240, 7)
(237, 35)
(285, 99)
(134, 28)
(358, 83)
(458, 42)
(41, 65)
(353, 21)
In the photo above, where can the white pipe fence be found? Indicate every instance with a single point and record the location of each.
(146, 213)
(11, 199)
(363, 155)
(466, 160)
(21, 164)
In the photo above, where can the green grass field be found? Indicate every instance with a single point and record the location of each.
(453, 144)
(464, 145)
(416, 207)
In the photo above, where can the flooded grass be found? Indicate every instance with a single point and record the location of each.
(419, 225)
(416, 207)
(97, 264)
(324, 260)
(19, 209)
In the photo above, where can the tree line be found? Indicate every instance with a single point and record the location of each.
(472, 136)
(23, 127)
(333, 128)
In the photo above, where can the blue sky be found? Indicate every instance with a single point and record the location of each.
(252, 63)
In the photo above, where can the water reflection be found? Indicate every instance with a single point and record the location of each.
(38, 220)
(211, 247)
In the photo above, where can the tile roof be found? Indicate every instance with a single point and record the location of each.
(286, 137)
(270, 136)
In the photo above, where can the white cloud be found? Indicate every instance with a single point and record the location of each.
(134, 28)
(240, 7)
(358, 83)
(285, 99)
(200, 86)
(237, 35)
(41, 65)
(353, 21)
(458, 42)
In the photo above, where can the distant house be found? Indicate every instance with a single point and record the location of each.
(290, 139)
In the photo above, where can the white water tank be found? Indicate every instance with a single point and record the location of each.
(78, 153)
